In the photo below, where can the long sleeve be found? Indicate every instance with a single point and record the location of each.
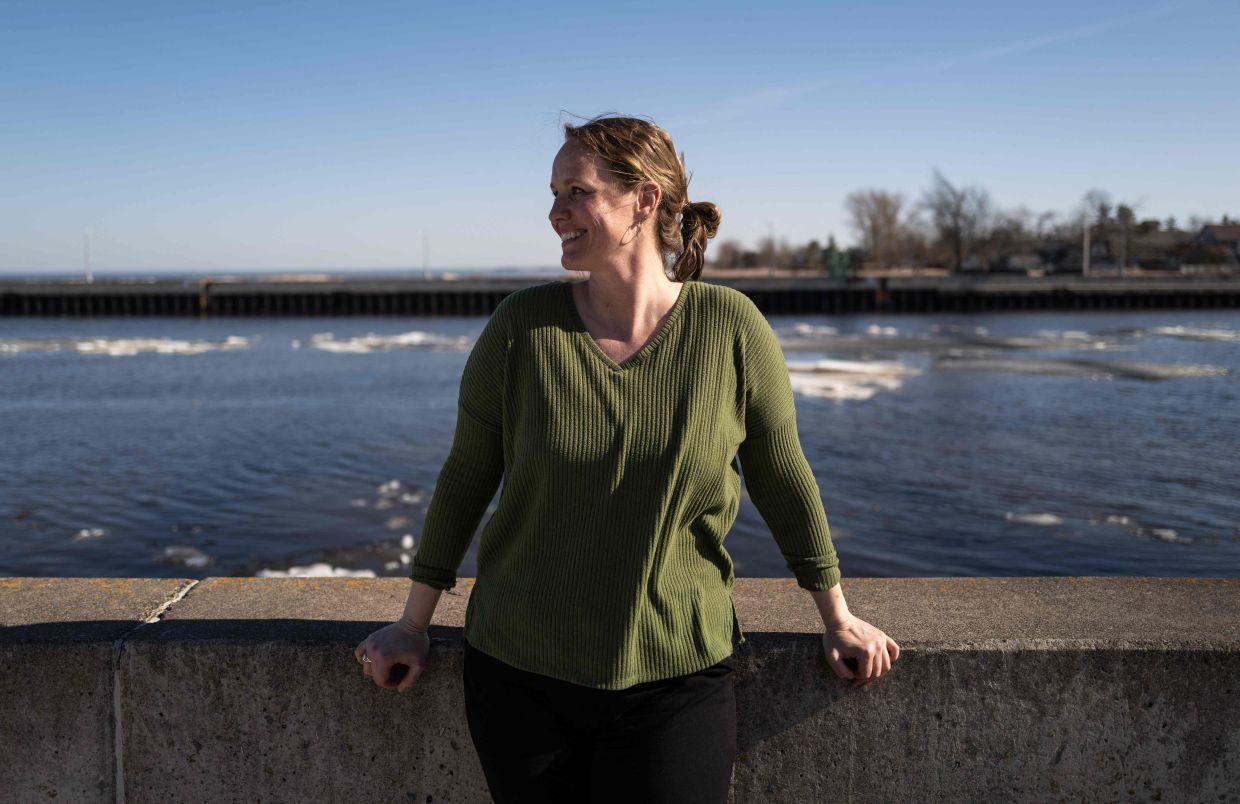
(777, 475)
(475, 464)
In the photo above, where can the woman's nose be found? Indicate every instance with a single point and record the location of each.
(558, 213)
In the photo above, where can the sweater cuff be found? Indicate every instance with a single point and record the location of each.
(432, 576)
(817, 579)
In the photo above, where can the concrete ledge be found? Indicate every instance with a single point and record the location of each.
(1020, 689)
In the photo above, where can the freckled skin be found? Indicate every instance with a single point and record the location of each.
(588, 200)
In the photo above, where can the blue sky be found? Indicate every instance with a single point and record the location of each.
(315, 136)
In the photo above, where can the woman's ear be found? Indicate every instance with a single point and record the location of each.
(648, 197)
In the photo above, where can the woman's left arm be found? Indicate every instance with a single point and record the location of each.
(785, 492)
(848, 637)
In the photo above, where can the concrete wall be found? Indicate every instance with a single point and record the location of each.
(1025, 689)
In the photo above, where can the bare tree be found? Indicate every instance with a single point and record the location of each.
(960, 215)
(1096, 205)
(876, 217)
(1011, 233)
(768, 252)
(728, 254)
(1096, 210)
(1045, 224)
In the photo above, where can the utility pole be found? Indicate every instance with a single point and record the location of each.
(90, 278)
(770, 266)
(1085, 250)
(426, 273)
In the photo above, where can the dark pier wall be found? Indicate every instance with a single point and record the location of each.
(479, 297)
(1006, 690)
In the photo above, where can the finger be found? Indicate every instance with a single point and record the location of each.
(393, 674)
(875, 662)
(359, 651)
(836, 662)
(379, 672)
(863, 666)
(893, 649)
(409, 679)
(886, 661)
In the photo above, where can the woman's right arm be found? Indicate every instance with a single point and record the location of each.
(467, 482)
(405, 642)
(475, 464)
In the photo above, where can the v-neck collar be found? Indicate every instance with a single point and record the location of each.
(651, 345)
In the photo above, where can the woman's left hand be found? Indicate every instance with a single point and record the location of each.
(854, 638)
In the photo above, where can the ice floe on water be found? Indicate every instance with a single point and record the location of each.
(813, 330)
(317, 570)
(1080, 367)
(941, 340)
(386, 556)
(846, 379)
(1034, 519)
(1072, 335)
(185, 556)
(394, 491)
(1202, 333)
(1130, 525)
(1170, 536)
(959, 328)
(1121, 521)
(365, 344)
(123, 347)
(391, 556)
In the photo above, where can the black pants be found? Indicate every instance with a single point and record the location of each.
(544, 740)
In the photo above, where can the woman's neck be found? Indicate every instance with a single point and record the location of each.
(629, 301)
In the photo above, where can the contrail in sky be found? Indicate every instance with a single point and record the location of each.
(772, 97)
(1069, 35)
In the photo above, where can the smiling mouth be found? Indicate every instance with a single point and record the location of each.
(568, 236)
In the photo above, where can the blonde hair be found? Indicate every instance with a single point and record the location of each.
(636, 151)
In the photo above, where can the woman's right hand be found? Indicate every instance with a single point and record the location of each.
(388, 648)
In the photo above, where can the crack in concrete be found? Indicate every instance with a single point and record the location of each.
(117, 721)
(167, 604)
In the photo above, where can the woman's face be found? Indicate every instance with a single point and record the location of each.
(592, 215)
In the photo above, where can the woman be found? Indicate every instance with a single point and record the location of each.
(619, 412)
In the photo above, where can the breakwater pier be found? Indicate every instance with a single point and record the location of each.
(1007, 689)
(479, 296)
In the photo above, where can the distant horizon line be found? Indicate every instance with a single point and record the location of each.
(129, 273)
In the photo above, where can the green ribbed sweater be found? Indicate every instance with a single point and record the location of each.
(603, 564)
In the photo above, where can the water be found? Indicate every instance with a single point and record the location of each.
(1009, 444)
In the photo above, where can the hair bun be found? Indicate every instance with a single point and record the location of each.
(699, 221)
(702, 213)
